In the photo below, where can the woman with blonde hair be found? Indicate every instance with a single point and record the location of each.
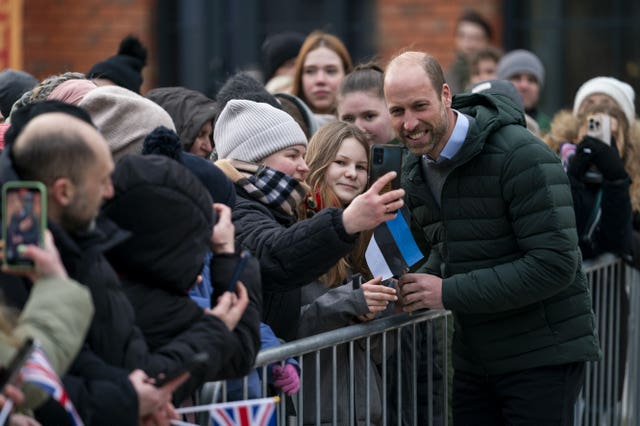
(322, 63)
(338, 158)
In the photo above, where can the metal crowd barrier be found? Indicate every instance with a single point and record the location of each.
(414, 390)
(413, 396)
(611, 393)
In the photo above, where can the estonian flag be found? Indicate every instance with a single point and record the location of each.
(392, 249)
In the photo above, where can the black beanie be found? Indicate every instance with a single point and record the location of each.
(278, 49)
(125, 68)
(13, 83)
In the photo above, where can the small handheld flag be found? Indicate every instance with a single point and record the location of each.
(392, 249)
(38, 370)
(250, 412)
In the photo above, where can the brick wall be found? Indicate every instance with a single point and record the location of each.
(428, 25)
(72, 35)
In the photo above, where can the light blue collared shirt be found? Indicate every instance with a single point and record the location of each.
(456, 140)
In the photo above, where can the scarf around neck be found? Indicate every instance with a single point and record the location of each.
(269, 186)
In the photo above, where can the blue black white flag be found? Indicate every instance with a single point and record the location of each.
(392, 249)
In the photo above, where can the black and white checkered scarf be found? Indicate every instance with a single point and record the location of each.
(269, 186)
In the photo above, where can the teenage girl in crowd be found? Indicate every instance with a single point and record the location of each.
(361, 102)
(338, 163)
(262, 151)
(321, 65)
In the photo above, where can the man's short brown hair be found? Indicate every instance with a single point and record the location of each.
(46, 154)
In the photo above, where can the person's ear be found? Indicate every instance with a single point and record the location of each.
(446, 95)
(63, 191)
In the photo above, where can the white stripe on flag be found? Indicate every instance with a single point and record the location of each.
(244, 402)
(181, 423)
(375, 260)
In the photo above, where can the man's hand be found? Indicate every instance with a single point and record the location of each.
(419, 291)
(153, 402)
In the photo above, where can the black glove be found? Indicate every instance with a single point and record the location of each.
(604, 157)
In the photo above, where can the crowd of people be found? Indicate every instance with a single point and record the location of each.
(153, 200)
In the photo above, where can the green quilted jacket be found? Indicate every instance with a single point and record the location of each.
(504, 242)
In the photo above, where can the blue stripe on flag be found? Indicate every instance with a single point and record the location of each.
(404, 240)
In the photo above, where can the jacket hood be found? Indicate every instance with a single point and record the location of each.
(170, 215)
(490, 111)
(189, 110)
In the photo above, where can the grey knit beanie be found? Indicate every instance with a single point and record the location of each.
(251, 131)
(520, 61)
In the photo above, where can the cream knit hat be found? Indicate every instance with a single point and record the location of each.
(251, 131)
(618, 90)
(124, 118)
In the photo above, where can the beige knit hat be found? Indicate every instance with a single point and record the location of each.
(124, 118)
(251, 131)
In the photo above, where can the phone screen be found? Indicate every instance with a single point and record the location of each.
(23, 220)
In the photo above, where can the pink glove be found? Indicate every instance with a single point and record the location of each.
(286, 378)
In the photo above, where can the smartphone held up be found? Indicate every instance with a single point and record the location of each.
(24, 220)
(599, 127)
(385, 159)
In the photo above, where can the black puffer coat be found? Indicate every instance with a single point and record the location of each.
(291, 254)
(171, 217)
(503, 239)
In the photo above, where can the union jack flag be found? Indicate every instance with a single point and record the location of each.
(38, 370)
(252, 412)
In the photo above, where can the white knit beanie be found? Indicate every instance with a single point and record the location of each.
(124, 118)
(251, 131)
(618, 90)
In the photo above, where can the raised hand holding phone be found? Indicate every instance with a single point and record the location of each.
(47, 262)
(373, 207)
(599, 127)
(24, 220)
(385, 159)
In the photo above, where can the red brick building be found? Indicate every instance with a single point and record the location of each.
(198, 43)
(72, 35)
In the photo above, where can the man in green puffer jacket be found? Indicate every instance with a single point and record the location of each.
(492, 208)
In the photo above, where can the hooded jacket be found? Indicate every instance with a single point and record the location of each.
(504, 241)
(170, 216)
(189, 110)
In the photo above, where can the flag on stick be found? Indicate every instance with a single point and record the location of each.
(250, 412)
(38, 370)
(392, 248)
